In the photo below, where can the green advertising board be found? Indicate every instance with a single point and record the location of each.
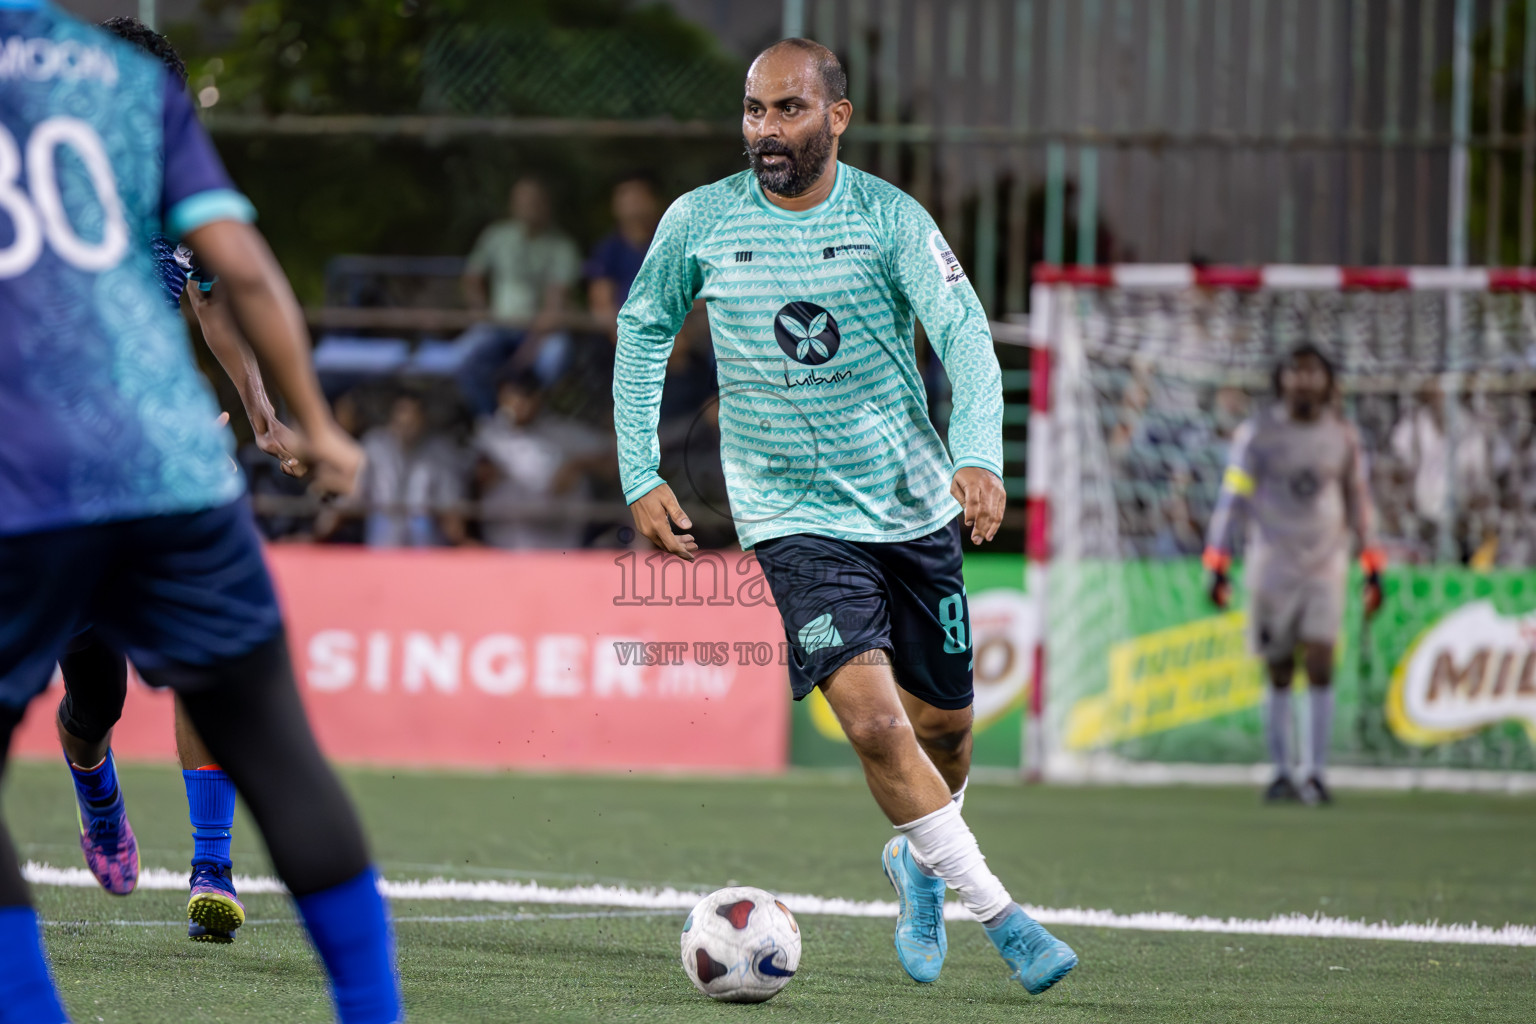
(1003, 632)
(1143, 667)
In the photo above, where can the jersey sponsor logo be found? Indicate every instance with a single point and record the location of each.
(1305, 485)
(41, 60)
(810, 378)
(834, 251)
(744, 256)
(820, 632)
(944, 256)
(807, 333)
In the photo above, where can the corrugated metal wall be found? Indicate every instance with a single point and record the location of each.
(1238, 131)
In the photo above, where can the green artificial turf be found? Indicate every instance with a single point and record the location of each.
(1388, 856)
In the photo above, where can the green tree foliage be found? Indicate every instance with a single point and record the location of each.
(579, 59)
(572, 58)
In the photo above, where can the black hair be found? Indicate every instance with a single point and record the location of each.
(834, 80)
(152, 42)
(1300, 352)
(523, 380)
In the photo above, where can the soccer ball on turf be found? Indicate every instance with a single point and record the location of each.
(740, 945)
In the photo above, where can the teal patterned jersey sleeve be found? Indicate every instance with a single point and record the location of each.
(936, 288)
(663, 293)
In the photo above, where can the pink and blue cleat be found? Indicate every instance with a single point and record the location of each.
(106, 839)
(213, 912)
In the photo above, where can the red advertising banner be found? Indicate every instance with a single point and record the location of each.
(516, 659)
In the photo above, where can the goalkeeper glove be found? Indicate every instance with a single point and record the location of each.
(1372, 561)
(1217, 585)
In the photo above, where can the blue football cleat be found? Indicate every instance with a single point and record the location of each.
(920, 939)
(1038, 958)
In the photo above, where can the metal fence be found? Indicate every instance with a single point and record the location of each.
(1234, 131)
(1240, 131)
(1088, 131)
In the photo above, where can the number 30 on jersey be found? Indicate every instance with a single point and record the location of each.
(41, 216)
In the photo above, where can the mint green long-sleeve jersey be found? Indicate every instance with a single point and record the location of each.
(823, 416)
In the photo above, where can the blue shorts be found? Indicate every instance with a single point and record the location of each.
(166, 591)
(840, 599)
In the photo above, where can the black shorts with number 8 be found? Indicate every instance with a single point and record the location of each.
(841, 599)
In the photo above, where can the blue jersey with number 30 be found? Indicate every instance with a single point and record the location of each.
(103, 414)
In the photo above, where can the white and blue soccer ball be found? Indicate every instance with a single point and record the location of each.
(741, 945)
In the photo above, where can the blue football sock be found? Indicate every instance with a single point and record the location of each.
(27, 995)
(211, 806)
(350, 928)
(97, 786)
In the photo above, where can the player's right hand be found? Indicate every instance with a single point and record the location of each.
(279, 441)
(655, 512)
(1219, 589)
(1217, 584)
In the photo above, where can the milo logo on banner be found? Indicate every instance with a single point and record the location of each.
(1473, 668)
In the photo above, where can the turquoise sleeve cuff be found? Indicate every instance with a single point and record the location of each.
(991, 467)
(206, 207)
(640, 490)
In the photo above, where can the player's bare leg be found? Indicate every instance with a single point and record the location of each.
(191, 751)
(934, 837)
(945, 736)
(214, 910)
(82, 752)
(901, 776)
(1318, 661)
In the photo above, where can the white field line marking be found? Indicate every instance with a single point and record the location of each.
(441, 889)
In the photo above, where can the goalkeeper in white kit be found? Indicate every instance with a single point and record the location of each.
(1297, 471)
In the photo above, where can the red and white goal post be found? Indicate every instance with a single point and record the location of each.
(1140, 373)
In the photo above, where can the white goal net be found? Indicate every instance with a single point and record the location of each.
(1153, 368)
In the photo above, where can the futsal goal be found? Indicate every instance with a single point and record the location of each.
(1141, 373)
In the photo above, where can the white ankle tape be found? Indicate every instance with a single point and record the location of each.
(943, 843)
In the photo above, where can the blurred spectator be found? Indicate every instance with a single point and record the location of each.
(1177, 534)
(616, 259)
(691, 465)
(1423, 448)
(1231, 411)
(691, 379)
(410, 481)
(272, 491)
(529, 455)
(522, 268)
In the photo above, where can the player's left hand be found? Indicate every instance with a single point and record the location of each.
(280, 442)
(1371, 600)
(980, 492)
(336, 458)
(1372, 561)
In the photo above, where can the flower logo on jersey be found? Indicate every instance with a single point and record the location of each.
(1305, 485)
(807, 333)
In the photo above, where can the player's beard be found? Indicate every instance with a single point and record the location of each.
(1305, 407)
(802, 166)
